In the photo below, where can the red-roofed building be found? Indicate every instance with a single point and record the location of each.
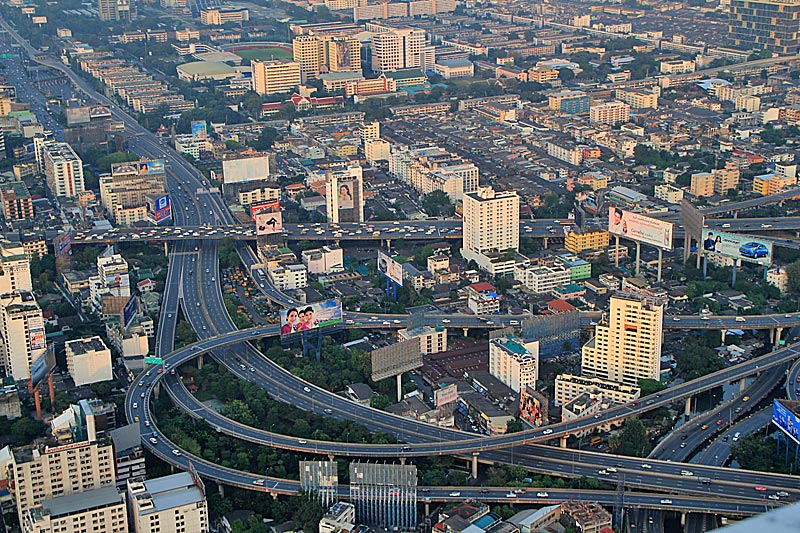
(271, 108)
(483, 298)
(146, 285)
(483, 286)
(306, 103)
(560, 306)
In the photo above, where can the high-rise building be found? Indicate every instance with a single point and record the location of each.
(514, 362)
(88, 360)
(17, 201)
(610, 113)
(397, 49)
(15, 268)
(23, 335)
(112, 279)
(172, 503)
(626, 346)
(114, 10)
(275, 77)
(42, 472)
(431, 168)
(92, 511)
(570, 102)
(321, 54)
(726, 178)
(123, 193)
(491, 228)
(63, 169)
(344, 193)
(765, 24)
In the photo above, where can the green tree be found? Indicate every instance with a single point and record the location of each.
(380, 401)
(650, 386)
(633, 441)
(437, 203)
(757, 452)
(265, 140)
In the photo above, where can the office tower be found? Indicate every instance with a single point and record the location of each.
(115, 10)
(765, 24)
(626, 346)
(15, 268)
(46, 471)
(491, 228)
(397, 49)
(514, 362)
(275, 77)
(23, 336)
(88, 361)
(318, 54)
(344, 192)
(63, 169)
(171, 503)
(124, 192)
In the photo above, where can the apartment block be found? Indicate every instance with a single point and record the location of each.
(491, 228)
(275, 77)
(541, 279)
(702, 184)
(220, 16)
(17, 201)
(726, 178)
(23, 334)
(325, 260)
(482, 299)
(514, 362)
(569, 102)
(289, 277)
(63, 170)
(678, 66)
(432, 168)
(321, 54)
(638, 99)
(569, 387)
(582, 241)
(15, 268)
(669, 193)
(88, 361)
(92, 511)
(611, 113)
(128, 186)
(398, 48)
(626, 345)
(115, 10)
(767, 184)
(431, 339)
(765, 24)
(43, 472)
(175, 503)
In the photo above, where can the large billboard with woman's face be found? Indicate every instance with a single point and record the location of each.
(641, 228)
(311, 316)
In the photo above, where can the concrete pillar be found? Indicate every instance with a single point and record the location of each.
(402, 460)
(38, 400)
(562, 441)
(724, 333)
(52, 388)
(687, 243)
(546, 239)
(389, 245)
(157, 390)
(427, 508)
(399, 387)
(616, 250)
(221, 489)
(466, 331)
(778, 333)
(166, 250)
(274, 495)
(638, 257)
(330, 457)
(741, 386)
(660, 260)
(475, 465)
(772, 336)
(200, 361)
(683, 518)
(735, 215)
(688, 407)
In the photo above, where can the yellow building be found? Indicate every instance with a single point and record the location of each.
(767, 184)
(318, 54)
(577, 242)
(702, 184)
(275, 77)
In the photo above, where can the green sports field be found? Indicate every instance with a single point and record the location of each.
(264, 54)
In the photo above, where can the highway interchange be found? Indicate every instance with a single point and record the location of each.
(203, 307)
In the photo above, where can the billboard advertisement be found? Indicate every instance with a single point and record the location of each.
(640, 228)
(160, 209)
(396, 359)
(151, 167)
(445, 395)
(129, 311)
(785, 419)
(390, 268)
(269, 223)
(345, 190)
(532, 407)
(38, 341)
(743, 247)
(311, 316)
(43, 365)
(245, 170)
(199, 129)
(64, 243)
(272, 206)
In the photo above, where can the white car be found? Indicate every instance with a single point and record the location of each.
(542, 495)
(547, 431)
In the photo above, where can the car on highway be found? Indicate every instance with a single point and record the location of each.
(542, 495)
(306, 389)
(754, 250)
(704, 427)
(774, 497)
(646, 466)
(511, 495)
(782, 494)
(176, 453)
(719, 422)
(153, 441)
(760, 488)
(666, 501)
(687, 473)
(746, 398)
(547, 431)
(302, 442)
(455, 494)
(259, 482)
(327, 411)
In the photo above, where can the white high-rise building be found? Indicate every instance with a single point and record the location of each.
(23, 335)
(88, 360)
(63, 170)
(627, 344)
(15, 268)
(491, 228)
(514, 362)
(397, 49)
(112, 278)
(175, 503)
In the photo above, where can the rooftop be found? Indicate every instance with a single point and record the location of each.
(82, 501)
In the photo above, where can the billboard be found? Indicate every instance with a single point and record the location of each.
(129, 311)
(151, 167)
(640, 228)
(785, 419)
(160, 209)
(445, 395)
(64, 243)
(532, 407)
(245, 170)
(38, 341)
(269, 223)
(42, 366)
(271, 206)
(199, 129)
(743, 247)
(390, 268)
(153, 360)
(396, 359)
(311, 316)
